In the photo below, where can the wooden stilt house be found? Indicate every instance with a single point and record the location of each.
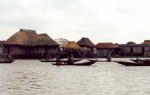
(27, 44)
(104, 49)
(87, 46)
(46, 45)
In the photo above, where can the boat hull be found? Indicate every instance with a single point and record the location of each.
(135, 60)
(132, 63)
(43, 60)
(78, 64)
(6, 61)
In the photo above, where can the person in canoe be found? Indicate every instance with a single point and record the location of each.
(58, 59)
(70, 60)
(108, 57)
(10, 57)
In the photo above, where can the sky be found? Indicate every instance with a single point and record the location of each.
(116, 21)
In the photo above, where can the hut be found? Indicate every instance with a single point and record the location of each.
(46, 45)
(104, 49)
(73, 48)
(87, 46)
(18, 43)
(27, 44)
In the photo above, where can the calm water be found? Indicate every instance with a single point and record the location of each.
(31, 77)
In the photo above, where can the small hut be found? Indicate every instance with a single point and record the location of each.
(18, 43)
(87, 46)
(73, 48)
(46, 45)
(104, 49)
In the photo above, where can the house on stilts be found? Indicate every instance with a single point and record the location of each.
(28, 44)
(88, 47)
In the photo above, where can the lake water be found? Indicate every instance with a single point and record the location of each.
(31, 77)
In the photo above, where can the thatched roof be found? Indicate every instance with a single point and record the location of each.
(85, 42)
(22, 37)
(45, 40)
(72, 45)
(30, 38)
(131, 43)
(146, 42)
(107, 45)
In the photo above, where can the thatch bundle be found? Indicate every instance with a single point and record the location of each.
(72, 45)
(85, 42)
(30, 38)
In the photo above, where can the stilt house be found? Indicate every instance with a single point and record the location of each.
(87, 46)
(28, 44)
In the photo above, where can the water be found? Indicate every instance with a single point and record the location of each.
(31, 77)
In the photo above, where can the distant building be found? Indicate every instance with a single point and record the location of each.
(103, 49)
(87, 46)
(133, 49)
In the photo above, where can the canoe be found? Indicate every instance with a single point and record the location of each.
(63, 60)
(100, 60)
(104, 61)
(49, 60)
(146, 61)
(78, 64)
(6, 61)
(132, 63)
(135, 60)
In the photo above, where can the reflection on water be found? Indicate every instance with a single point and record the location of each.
(31, 77)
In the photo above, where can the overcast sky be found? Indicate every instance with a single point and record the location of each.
(117, 21)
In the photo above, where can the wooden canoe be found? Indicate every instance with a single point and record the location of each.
(100, 60)
(132, 63)
(6, 61)
(78, 64)
(54, 60)
(136, 60)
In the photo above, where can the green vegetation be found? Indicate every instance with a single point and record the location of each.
(2, 57)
